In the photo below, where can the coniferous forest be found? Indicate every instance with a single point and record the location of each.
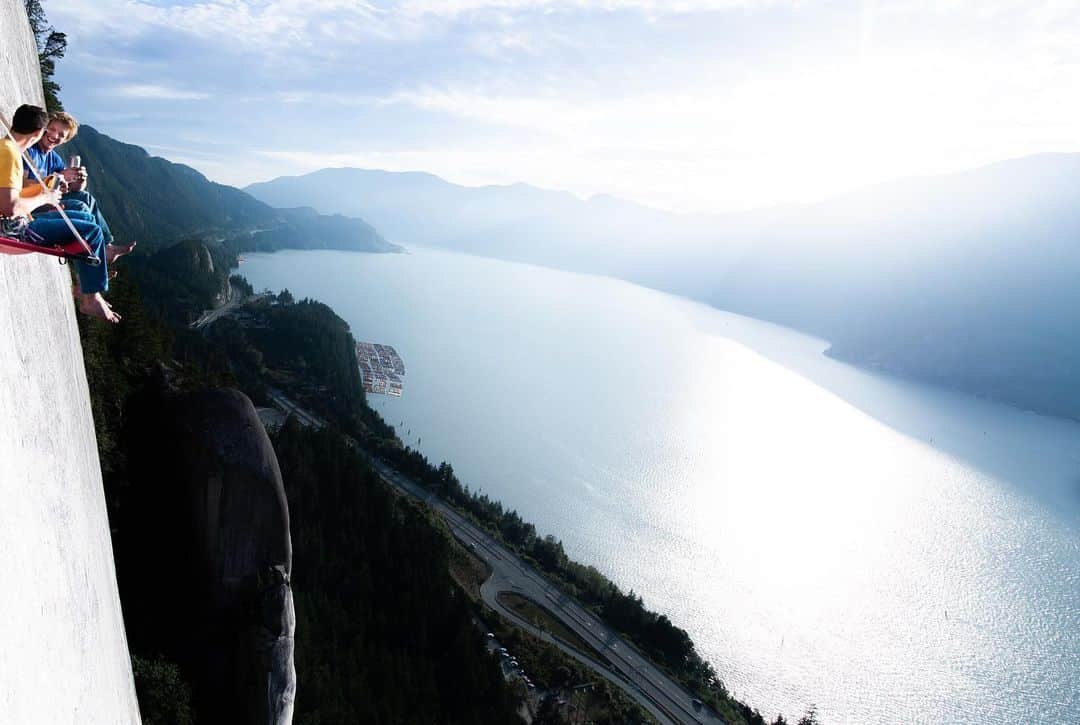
(383, 635)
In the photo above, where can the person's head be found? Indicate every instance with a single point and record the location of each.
(29, 121)
(61, 127)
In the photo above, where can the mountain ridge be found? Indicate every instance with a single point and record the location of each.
(128, 182)
(956, 279)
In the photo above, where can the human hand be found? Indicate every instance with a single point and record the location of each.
(75, 177)
(52, 196)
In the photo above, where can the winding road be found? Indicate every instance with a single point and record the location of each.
(646, 683)
(625, 668)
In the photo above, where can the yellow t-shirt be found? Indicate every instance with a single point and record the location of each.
(11, 166)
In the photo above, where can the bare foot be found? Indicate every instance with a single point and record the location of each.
(94, 305)
(115, 251)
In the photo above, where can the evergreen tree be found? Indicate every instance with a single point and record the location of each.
(51, 46)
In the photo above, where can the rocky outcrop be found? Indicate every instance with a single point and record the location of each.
(240, 525)
(64, 657)
(211, 560)
(191, 264)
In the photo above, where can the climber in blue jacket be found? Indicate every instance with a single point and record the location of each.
(63, 127)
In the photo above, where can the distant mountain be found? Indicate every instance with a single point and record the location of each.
(412, 207)
(158, 203)
(967, 280)
(519, 222)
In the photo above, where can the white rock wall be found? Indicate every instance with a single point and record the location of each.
(63, 652)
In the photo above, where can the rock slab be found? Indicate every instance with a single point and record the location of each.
(64, 657)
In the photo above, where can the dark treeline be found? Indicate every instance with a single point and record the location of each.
(383, 635)
(184, 279)
(51, 46)
(312, 343)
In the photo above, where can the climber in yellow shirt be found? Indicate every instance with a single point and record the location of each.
(27, 126)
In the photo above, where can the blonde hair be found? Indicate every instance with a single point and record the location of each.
(68, 120)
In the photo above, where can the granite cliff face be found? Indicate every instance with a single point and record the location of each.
(64, 657)
(240, 527)
(209, 560)
(193, 262)
(210, 521)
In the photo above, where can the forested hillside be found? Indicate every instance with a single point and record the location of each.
(382, 633)
(157, 202)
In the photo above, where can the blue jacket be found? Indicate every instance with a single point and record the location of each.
(47, 163)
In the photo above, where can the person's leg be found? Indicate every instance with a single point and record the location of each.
(51, 227)
(83, 197)
(69, 205)
(85, 201)
(93, 279)
(90, 201)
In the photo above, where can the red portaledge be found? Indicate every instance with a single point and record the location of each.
(71, 250)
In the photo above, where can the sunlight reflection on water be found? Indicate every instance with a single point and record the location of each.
(891, 552)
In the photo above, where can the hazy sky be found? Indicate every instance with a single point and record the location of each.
(705, 105)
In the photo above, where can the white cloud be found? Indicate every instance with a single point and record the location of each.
(286, 25)
(152, 91)
(785, 135)
(653, 7)
(280, 26)
(767, 101)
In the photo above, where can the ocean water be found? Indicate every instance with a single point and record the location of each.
(888, 551)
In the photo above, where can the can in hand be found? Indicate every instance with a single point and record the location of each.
(75, 161)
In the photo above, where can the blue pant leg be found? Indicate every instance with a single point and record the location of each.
(86, 224)
(68, 204)
(54, 231)
(90, 201)
(81, 196)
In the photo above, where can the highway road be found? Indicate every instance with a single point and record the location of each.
(639, 678)
(208, 317)
(646, 683)
(290, 408)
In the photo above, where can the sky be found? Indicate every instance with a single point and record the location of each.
(689, 105)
